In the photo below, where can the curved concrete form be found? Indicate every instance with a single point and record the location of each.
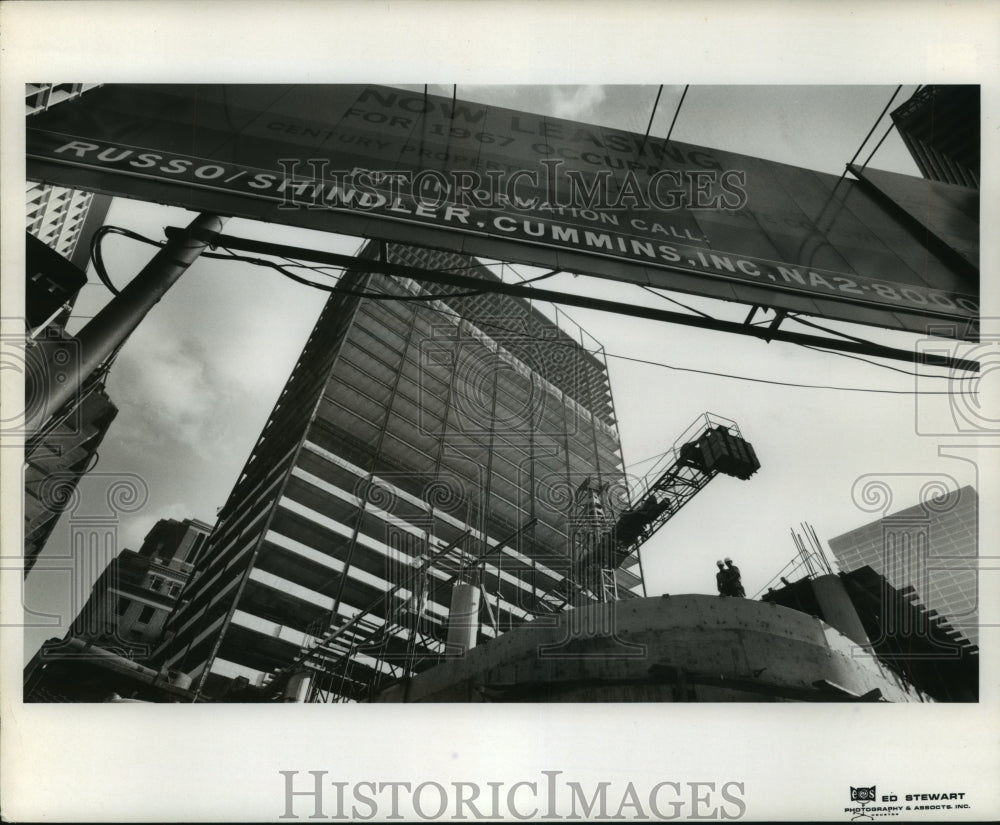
(664, 649)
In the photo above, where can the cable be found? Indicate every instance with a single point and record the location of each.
(95, 251)
(99, 267)
(652, 115)
(801, 320)
(97, 259)
(541, 277)
(368, 295)
(873, 363)
(843, 174)
(856, 357)
(670, 131)
(606, 354)
(675, 301)
(878, 145)
(431, 297)
(875, 126)
(383, 296)
(646, 460)
(776, 383)
(809, 346)
(95, 247)
(712, 373)
(322, 267)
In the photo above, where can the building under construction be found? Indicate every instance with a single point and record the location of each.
(422, 441)
(436, 508)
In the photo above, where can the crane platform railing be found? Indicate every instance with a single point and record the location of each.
(711, 445)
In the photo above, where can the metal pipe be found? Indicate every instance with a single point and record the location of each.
(463, 617)
(297, 689)
(70, 363)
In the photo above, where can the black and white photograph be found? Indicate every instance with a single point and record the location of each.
(338, 404)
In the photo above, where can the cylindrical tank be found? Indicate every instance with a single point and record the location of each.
(297, 689)
(463, 619)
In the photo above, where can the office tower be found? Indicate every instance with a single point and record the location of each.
(145, 586)
(424, 439)
(940, 127)
(931, 547)
(130, 602)
(58, 216)
(109, 644)
(42, 96)
(61, 217)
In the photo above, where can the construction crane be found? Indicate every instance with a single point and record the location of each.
(711, 445)
(603, 540)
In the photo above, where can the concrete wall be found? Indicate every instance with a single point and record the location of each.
(681, 648)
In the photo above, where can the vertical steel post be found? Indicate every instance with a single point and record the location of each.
(79, 357)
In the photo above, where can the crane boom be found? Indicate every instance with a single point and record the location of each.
(712, 445)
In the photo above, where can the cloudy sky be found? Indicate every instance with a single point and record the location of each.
(197, 380)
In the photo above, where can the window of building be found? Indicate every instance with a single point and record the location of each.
(123, 605)
(147, 613)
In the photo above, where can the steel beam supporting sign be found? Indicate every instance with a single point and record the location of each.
(396, 165)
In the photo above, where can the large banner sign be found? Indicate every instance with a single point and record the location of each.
(402, 166)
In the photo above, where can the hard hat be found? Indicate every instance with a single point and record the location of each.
(719, 562)
(728, 560)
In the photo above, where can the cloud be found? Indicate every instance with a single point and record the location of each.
(170, 389)
(576, 102)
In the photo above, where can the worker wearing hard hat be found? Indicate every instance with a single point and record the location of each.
(734, 579)
(722, 579)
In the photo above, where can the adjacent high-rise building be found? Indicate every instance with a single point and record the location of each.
(61, 217)
(108, 648)
(141, 588)
(426, 452)
(931, 547)
(42, 96)
(940, 127)
(58, 216)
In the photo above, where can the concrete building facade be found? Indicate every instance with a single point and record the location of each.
(424, 439)
(689, 648)
(56, 215)
(60, 217)
(111, 640)
(146, 585)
